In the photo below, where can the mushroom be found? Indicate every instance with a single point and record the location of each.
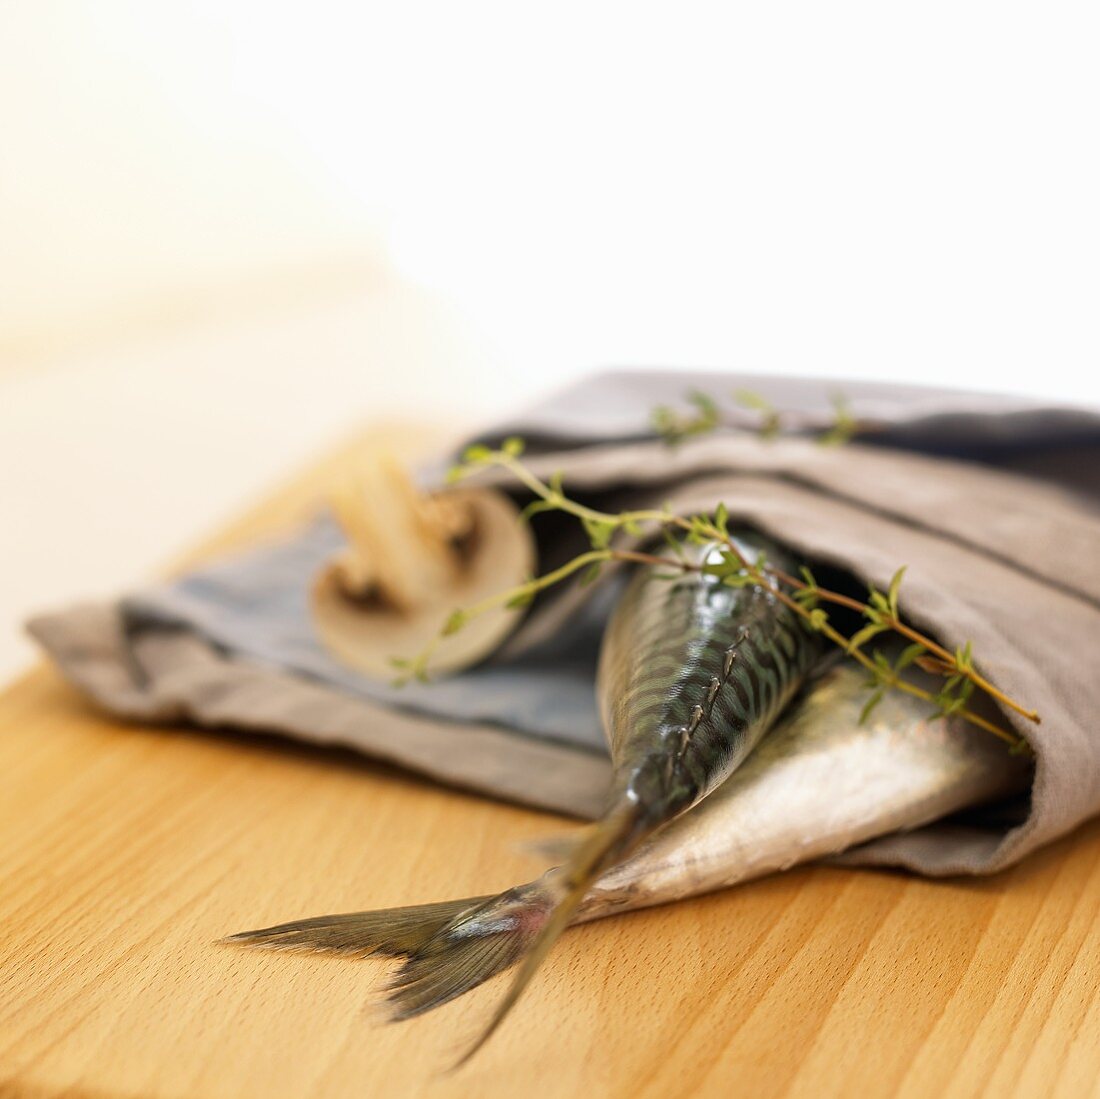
(411, 560)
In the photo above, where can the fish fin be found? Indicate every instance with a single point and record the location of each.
(603, 841)
(479, 944)
(388, 931)
(424, 983)
(453, 946)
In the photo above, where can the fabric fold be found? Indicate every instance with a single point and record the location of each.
(990, 503)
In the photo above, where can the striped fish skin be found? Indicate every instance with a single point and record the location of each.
(692, 673)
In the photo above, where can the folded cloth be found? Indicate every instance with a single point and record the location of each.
(993, 504)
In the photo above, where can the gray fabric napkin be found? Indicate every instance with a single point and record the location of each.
(991, 502)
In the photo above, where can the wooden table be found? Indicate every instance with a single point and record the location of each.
(125, 852)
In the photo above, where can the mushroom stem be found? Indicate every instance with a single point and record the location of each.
(411, 560)
(404, 547)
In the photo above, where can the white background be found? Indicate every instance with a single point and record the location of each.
(231, 231)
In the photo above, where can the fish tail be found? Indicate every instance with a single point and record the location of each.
(564, 889)
(452, 947)
(449, 948)
(391, 932)
(479, 944)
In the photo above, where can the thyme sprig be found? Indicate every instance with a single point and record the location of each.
(757, 414)
(802, 594)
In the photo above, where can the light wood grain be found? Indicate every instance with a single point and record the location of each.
(126, 851)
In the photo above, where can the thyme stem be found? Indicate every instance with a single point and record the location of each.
(883, 616)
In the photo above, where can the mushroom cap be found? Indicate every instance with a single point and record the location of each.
(367, 631)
